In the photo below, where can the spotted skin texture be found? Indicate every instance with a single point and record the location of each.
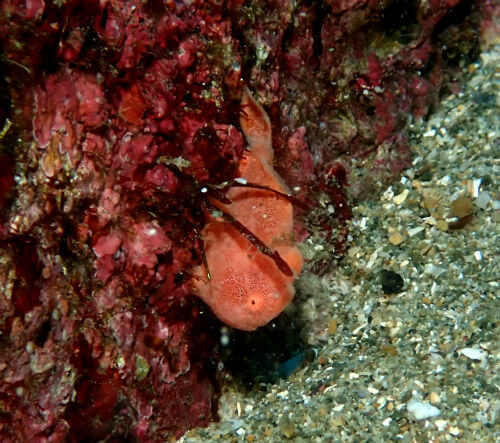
(246, 289)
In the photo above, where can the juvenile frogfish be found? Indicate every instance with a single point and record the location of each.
(246, 288)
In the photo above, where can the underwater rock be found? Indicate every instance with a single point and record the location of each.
(114, 116)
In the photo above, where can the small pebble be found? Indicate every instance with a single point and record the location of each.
(288, 428)
(461, 207)
(434, 398)
(396, 239)
(483, 200)
(430, 203)
(392, 282)
(442, 225)
(332, 326)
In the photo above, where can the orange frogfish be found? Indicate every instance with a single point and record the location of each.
(246, 288)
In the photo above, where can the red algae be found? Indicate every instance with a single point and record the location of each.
(117, 114)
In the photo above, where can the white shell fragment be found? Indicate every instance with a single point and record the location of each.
(400, 198)
(473, 353)
(414, 231)
(419, 410)
(474, 186)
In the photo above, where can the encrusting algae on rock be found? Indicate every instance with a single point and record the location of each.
(115, 115)
(247, 289)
